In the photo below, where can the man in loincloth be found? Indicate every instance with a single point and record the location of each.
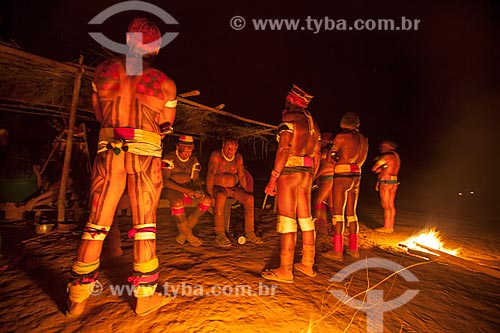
(386, 167)
(295, 164)
(183, 185)
(134, 112)
(226, 179)
(322, 188)
(349, 150)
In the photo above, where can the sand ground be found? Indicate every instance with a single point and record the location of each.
(208, 285)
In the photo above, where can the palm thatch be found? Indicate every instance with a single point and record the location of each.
(36, 85)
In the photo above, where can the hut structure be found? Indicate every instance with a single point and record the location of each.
(35, 85)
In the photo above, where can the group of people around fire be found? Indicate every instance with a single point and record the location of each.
(137, 111)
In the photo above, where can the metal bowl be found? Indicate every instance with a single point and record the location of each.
(43, 228)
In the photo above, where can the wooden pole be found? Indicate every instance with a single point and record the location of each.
(69, 143)
(15, 54)
(54, 148)
(264, 202)
(224, 113)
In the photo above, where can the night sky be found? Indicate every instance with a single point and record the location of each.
(434, 91)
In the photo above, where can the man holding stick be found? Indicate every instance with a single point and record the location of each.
(296, 163)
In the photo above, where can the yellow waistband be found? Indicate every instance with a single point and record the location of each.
(347, 168)
(295, 161)
(137, 141)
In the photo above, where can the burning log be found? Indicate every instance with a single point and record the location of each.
(417, 253)
(471, 265)
(422, 254)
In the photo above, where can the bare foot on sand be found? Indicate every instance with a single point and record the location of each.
(385, 230)
(352, 253)
(278, 274)
(309, 271)
(338, 256)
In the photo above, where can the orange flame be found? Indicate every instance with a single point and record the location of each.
(430, 238)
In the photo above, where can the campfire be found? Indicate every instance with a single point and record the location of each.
(429, 241)
(429, 245)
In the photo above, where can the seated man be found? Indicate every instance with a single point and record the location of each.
(181, 179)
(226, 179)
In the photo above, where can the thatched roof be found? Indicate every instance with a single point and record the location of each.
(36, 85)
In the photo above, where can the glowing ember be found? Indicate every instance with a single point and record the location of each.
(430, 238)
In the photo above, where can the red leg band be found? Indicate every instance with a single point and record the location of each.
(203, 207)
(353, 242)
(338, 243)
(177, 210)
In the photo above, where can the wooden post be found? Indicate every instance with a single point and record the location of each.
(69, 143)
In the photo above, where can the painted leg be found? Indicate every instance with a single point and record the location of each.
(144, 190)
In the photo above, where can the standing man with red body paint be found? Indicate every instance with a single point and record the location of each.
(135, 111)
(349, 152)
